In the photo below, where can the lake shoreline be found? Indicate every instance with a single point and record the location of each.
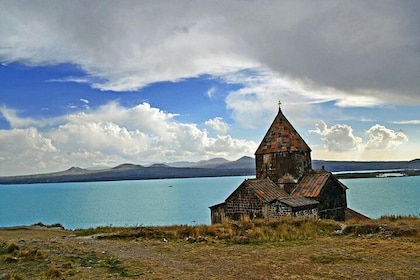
(40, 179)
(377, 174)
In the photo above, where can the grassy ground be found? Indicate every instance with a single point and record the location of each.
(388, 248)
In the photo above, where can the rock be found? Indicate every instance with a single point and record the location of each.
(5, 276)
(11, 260)
(67, 265)
(190, 239)
(202, 239)
(242, 239)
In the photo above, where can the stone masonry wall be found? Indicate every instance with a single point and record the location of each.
(332, 202)
(275, 165)
(307, 213)
(277, 209)
(243, 202)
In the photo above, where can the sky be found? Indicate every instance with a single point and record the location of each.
(95, 84)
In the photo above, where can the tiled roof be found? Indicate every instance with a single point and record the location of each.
(312, 184)
(265, 189)
(282, 137)
(297, 201)
(268, 191)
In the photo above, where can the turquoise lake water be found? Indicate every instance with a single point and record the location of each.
(172, 201)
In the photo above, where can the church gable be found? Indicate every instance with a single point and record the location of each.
(282, 151)
(244, 201)
(282, 137)
(325, 188)
(250, 197)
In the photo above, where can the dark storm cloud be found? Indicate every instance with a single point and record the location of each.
(361, 48)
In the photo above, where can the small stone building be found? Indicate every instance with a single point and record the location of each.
(262, 198)
(325, 188)
(285, 184)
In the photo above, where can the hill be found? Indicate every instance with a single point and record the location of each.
(244, 162)
(414, 164)
(211, 163)
(126, 171)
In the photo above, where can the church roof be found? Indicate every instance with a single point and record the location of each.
(281, 137)
(297, 201)
(265, 189)
(312, 184)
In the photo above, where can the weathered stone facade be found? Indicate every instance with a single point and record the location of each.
(276, 165)
(244, 203)
(277, 209)
(333, 202)
(282, 151)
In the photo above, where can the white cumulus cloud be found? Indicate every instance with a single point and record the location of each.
(109, 135)
(25, 150)
(15, 121)
(338, 138)
(218, 125)
(381, 137)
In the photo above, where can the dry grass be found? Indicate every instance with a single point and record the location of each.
(386, 225)
(257, 230)
(386, 248)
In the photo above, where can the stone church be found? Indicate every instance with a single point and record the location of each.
(285, 183)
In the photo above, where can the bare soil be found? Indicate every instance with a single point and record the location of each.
(40, 253)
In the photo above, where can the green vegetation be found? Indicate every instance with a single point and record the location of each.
(56, 225)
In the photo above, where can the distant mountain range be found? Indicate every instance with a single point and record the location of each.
(219, 163)
(216, 167)
(211, 168)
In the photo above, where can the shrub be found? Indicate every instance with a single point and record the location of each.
(11, 247)
(53, 272)
(31, 254)
(56, 225)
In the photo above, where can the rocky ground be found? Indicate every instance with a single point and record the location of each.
(54, 253)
